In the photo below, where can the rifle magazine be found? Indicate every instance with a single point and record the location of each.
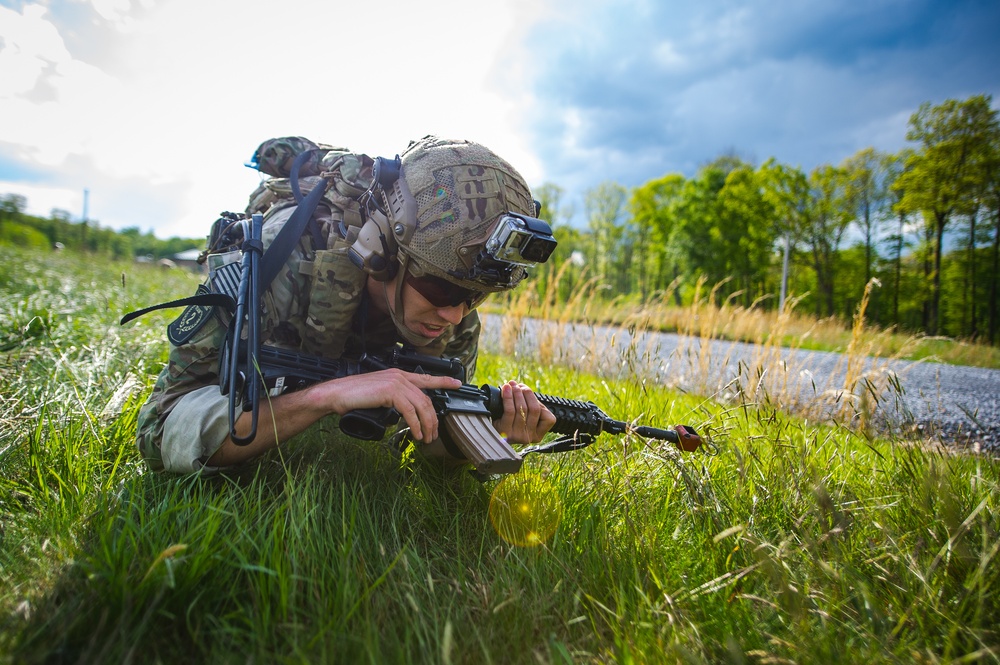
(476, 438)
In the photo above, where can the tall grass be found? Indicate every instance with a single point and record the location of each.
(589, 302)
(732, 353)
(793, 543)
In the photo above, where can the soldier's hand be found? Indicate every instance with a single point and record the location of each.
(403, 391)
(525, 419)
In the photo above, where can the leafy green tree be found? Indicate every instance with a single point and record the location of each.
(748, 231)
(894, 165)
(940, 177)
(787, 190)
(654, 214)
(12, 207)
(825, 225)
(605, 209)
(867, 197)
(991, 203)
(984, 171)
(553, 209)
(727, 227)
(698, 219)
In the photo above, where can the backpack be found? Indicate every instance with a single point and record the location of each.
(348, 174)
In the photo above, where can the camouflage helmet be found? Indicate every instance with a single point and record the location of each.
(446, 204)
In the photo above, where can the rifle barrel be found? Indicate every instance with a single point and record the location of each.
(656, 433)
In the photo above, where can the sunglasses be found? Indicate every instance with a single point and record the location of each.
(442, 293)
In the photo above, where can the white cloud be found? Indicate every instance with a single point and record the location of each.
(62, 122)
(112, 10)
(191, 87)
(668, 57)
(30, 44)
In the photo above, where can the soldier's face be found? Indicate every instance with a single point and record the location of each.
(425, 318)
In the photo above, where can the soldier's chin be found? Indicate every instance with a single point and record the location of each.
(423, 340)
(413, 337)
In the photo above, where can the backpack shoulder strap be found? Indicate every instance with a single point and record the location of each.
(203, 298)
(281, 247)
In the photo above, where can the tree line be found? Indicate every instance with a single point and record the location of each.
(924, 222)
(59, 230)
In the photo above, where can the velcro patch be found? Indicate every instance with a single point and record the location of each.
(226, 279)
(190, 321)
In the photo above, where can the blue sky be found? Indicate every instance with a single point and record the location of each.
(153, 106)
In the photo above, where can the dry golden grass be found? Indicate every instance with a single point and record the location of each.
(777, 369)
(706, 317)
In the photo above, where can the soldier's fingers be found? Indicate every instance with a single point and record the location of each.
(505, 424)
(535, 413)
(432, 382)
(417, 411)
(540, 420)
(527, 413)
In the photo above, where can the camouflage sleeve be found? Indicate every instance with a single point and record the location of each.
(190, 366)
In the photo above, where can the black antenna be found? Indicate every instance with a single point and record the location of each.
(243, 379)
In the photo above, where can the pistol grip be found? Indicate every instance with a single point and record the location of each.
(368, 424)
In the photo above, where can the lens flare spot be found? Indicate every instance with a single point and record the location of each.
(525, 509)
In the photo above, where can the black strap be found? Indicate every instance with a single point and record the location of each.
(202, 300)
(563, 444)
(281, 247)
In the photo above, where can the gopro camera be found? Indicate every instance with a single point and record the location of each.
(521, 240)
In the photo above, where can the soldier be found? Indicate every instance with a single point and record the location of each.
(405, 257)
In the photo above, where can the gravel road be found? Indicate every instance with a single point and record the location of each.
(955, 404)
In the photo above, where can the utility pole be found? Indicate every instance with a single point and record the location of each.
(784, 277)
(83, 222)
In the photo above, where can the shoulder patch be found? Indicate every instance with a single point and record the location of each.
(190, 321)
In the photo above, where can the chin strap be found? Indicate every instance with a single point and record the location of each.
(396, 313)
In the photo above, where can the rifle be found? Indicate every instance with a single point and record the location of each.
(467, 413)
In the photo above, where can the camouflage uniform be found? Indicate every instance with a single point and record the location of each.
(313, 305)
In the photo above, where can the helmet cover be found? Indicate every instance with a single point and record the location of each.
(446, 203)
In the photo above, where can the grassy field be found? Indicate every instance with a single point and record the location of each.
(795, 542)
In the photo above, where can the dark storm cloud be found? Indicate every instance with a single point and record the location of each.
(635, 90)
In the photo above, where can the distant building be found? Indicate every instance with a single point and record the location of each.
(188, 259)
